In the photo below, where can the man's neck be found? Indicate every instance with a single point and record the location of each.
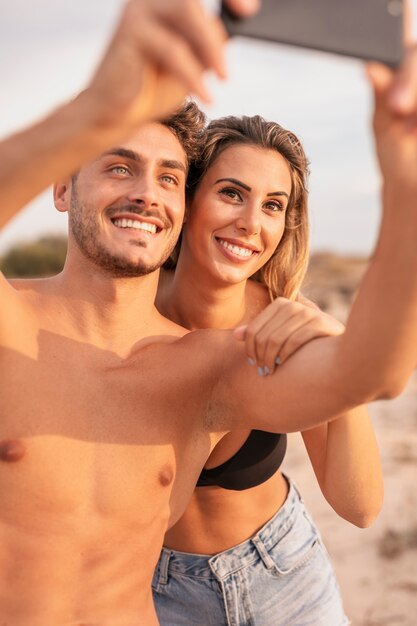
(111, 313)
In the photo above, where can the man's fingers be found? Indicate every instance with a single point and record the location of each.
(173, 56)
(244, 8)
(204, 34)
(380, 76)
(403, 90)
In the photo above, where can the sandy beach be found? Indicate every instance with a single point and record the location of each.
(376, 567)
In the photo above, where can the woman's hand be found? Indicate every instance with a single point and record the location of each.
(282, 328)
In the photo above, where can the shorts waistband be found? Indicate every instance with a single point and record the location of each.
(224, 563)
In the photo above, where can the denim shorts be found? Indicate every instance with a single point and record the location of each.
(282, 576)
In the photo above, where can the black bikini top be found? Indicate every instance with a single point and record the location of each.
(257, 460)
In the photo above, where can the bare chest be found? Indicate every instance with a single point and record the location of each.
(99, 444)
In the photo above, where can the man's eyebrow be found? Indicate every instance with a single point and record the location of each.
(125, 153)
(247, 188)
(171, 164)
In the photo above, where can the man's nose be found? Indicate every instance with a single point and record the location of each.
(145, 192)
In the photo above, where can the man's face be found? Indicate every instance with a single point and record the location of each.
(127, 207)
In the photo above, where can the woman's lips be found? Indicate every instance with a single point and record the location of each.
(234, 250)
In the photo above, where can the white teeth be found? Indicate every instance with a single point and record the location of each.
(243, 252)
(125, 223)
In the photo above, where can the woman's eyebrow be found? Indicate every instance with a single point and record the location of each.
(235, 182)
(239, 183)
(278, 193)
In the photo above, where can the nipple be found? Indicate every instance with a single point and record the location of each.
(166, 476)
(11, 450)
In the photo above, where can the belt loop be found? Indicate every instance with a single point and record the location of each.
(258, 543)
(163, 566)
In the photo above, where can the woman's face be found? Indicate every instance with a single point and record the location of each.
(237, 216)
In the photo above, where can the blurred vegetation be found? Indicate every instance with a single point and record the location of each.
(43, 257)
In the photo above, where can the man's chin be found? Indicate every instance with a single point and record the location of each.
(120, 267)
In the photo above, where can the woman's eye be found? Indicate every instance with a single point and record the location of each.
(231, 193)
(274, 206)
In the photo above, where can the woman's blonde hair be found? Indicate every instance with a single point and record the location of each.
(285, 270)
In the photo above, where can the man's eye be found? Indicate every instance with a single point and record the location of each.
(169, 179)
(120, 169)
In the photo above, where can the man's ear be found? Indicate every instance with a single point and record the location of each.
(62, 192)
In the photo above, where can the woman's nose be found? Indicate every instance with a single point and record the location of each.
(248, 221)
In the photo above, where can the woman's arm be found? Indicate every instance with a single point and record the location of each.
(345, 458)
(343, 452)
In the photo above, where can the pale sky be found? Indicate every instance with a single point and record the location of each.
(49, 49)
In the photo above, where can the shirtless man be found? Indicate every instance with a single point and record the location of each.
(108, 411)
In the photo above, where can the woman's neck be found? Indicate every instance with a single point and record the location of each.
(194, 303)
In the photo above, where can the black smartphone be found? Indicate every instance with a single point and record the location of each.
(365, 29)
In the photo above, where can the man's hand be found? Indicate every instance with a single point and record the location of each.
(158, 55)
(244, 8)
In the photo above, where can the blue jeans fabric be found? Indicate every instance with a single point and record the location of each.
(282, 576)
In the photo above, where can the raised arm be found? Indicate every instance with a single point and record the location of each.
(156, 56)
(376, 355)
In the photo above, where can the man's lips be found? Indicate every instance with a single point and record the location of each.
(146, 224)
(136, 225)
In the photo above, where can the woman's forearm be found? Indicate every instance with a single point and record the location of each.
(345, 458)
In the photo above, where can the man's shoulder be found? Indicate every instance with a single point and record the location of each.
(209, 339)
(20, 285)
(203, 351)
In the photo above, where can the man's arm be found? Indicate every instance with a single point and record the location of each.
(376, 355)
(157, 55)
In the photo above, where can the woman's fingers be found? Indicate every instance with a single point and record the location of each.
(272, 338)
(303, 334)
(272, 317)
(281, 329)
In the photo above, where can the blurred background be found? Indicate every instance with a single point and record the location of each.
(48, 51)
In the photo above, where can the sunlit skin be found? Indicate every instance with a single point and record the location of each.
(242, 200)
(104, 423)
(132, 182)
(90, 456)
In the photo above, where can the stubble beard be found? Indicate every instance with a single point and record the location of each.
(84, 226)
